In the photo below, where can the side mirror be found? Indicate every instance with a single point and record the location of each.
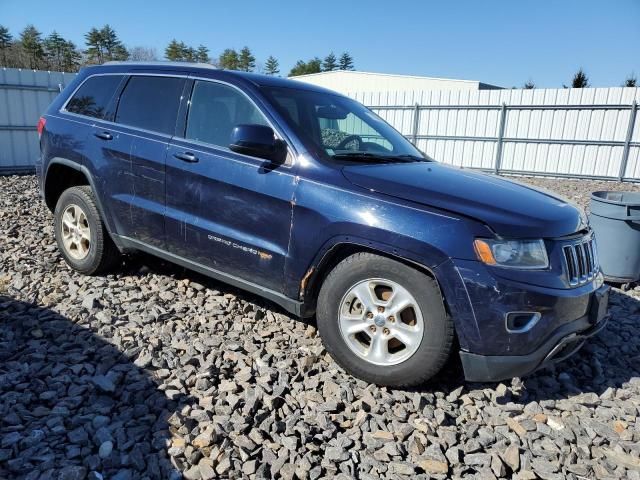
(257, 141)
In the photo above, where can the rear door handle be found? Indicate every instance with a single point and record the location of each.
(186, 157)
(104, 135)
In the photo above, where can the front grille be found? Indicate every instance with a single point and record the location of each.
(581, 260)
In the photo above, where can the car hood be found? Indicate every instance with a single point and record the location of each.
(509, 208)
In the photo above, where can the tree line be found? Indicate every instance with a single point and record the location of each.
(581, 80)
(30, 49)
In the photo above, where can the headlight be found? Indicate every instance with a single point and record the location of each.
(525, 254)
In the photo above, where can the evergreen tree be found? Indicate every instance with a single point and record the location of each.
(70, 61)
(631, 81)
(54, 46)
(314, 65)
(173, 51)
(104, 45)
(114, 49)
(246, 60)
(31, 42)
(529, 85)
(330, 63)
(580, 80)
(5, 43)
(346, 62)
(188, 53)
(271, 67)
(202, 54)
(229, 59)
(305, 68)
(94, 51)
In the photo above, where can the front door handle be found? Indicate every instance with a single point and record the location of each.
(104, 135)
(186, 157)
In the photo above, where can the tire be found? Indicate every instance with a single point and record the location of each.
(411, 363)
(92, 251)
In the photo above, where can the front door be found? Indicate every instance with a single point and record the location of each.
(226, 211)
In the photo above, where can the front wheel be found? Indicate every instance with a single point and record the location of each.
(383, 321)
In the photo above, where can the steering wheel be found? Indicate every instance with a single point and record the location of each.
(345, 141)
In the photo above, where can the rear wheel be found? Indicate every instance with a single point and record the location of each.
(80, 233)
(383, 321)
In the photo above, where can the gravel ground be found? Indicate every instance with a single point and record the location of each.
(155, 372)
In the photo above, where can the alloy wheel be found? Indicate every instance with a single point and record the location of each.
(76, 233)
(381, 321)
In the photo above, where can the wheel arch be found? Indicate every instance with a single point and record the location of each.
(62, 174)
(332, 255)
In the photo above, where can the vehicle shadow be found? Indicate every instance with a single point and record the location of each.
(72, 403)
(141, 264)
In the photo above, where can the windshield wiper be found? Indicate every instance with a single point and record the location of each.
(413, 158)
(368, 157)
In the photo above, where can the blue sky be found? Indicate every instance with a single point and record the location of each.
(500, 42)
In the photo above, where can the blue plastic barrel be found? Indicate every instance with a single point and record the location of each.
(615, 219)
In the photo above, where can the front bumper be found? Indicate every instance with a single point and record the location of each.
(561, 344)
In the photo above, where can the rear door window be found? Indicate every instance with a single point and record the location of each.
(94, 96)
(151, 103)
(215, 109)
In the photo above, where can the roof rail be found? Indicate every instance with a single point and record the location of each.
(161, 63)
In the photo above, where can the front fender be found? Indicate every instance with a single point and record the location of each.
(326, 215)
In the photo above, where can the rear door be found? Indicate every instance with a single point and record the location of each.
(134, 148)
(91, 105)
(227, 211)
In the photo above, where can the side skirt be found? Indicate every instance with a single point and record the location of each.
(292, 306)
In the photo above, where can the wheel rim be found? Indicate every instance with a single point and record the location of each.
(76, 234)
(381, 321)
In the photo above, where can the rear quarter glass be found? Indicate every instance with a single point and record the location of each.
(94, 96)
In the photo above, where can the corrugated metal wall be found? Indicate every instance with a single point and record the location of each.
(566, 132)
(24, 96)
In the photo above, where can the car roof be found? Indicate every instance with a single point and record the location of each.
(207, 70)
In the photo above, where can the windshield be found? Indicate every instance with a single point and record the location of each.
(341, 129)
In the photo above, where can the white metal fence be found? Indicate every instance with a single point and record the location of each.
(588, 132)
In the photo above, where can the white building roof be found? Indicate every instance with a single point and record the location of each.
(351, 81)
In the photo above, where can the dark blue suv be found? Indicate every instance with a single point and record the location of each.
(309, 199)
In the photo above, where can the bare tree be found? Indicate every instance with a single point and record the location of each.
(143, 54)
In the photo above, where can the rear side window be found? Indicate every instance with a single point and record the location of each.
(215, 109)
(93, 97)
(150, 103)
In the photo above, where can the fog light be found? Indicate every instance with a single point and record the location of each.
(521, 322)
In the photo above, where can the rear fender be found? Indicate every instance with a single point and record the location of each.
(104, 213)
